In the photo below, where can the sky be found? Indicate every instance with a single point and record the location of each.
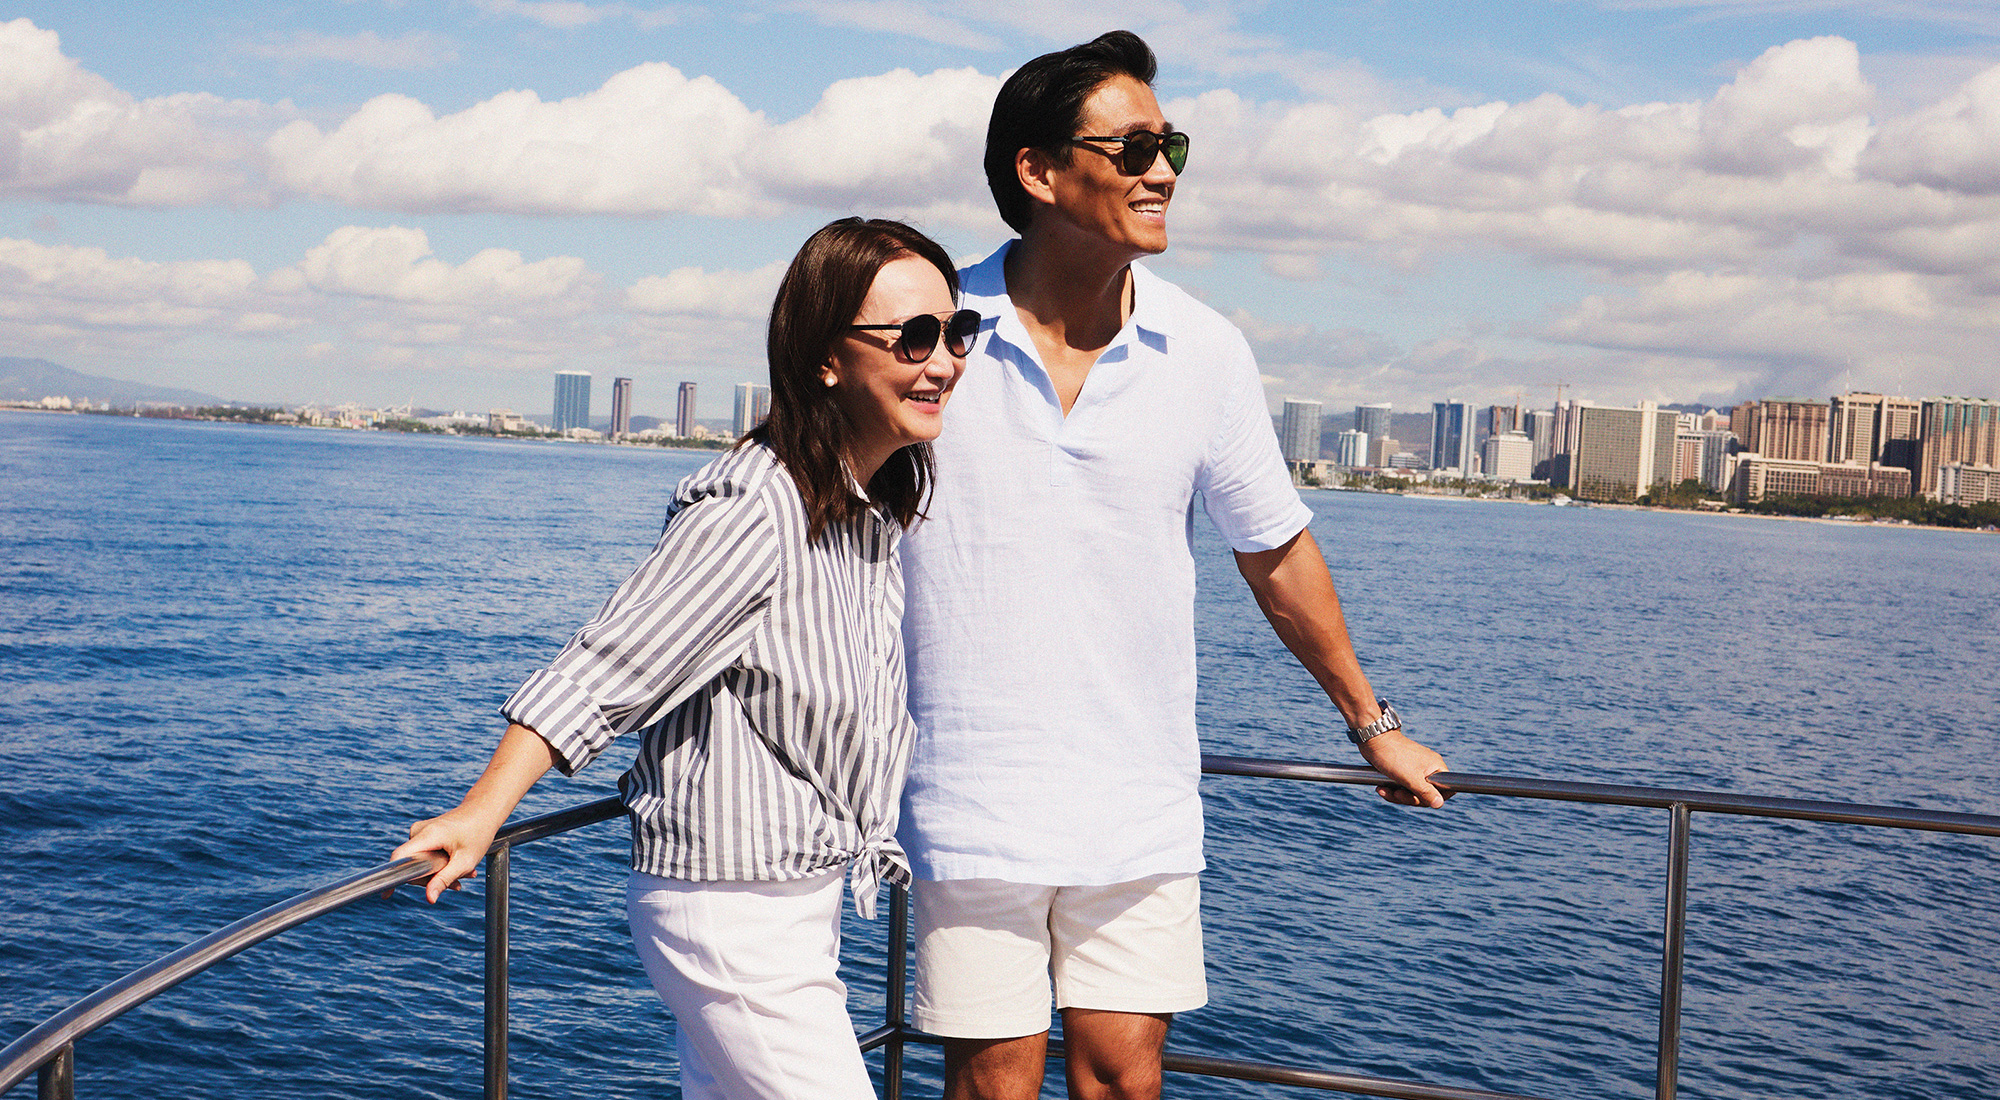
(444, 203)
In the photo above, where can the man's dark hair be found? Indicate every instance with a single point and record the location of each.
(1041, 106)
(820, 296)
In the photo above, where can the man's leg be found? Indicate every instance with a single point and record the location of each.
(995, 1069)
(1125, 958)
(983, 983)
(1113, 1055)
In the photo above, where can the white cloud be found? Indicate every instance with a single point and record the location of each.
(66, 285)
(68, 135)
(650, 141)
(743, 295)
(571, 14)
(415, 50)
(897, 140)
(396, 263)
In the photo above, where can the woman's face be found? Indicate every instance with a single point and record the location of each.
(890, 400)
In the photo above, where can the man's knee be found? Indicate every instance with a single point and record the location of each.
(1114, 1055)
(995, 1069)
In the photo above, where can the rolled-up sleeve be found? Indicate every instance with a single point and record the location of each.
(683, 617)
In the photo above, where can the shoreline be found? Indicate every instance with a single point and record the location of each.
(1613, 506)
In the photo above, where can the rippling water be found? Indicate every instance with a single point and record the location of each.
(236, 661)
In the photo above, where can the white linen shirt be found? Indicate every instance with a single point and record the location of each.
(1050, 621)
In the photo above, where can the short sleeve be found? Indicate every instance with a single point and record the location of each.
(683, 617)
(1245, 487)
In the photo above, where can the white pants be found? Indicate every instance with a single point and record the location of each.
(750, 972)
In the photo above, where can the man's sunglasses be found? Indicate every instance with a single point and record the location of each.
(1142, 147)
(918, 337)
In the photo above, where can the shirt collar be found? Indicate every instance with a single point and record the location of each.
(984, 287)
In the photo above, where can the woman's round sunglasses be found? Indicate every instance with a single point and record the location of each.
(1142, 147)
(918, 337)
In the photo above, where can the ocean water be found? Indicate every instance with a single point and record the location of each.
(236, 661)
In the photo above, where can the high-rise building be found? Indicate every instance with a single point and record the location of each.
(684, 412)
(1380, 451)
(1755, 478)
(1351, 448)
(1870, 427)
(1509, 456)
(1374, 419)
(1451, 436)
(1622, 454)
(1566, 437)
(1712, 467)
(572, 400)
(1788, 430)
(1957, 429)
(1540, 425)
(1298, 436)
(1959, 483)
(621, 407)
(753, 404)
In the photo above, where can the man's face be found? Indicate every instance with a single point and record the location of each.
(1129, 212)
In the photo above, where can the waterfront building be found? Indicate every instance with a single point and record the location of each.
(504, 420)
(1959, 483)
(621, 407)
(1540, 426)
(1621, 454)
(1351, 448)
(1405, 460)
(1957, 429)
(1687, 453)
(1451, 436)
(1872, 427)
(1855, 479)
(1381, 450)
(572, 400)
(1760, 476)
(1509, 456)
(1374, 419)
(684, 412)
(1712, 467)
(753, 404)
(1786, 428)
(1565, 435)
(1298, 436)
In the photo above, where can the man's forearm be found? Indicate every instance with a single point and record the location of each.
(1296, 593)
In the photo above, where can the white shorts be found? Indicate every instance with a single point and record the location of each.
(987, 951)
(750, 972)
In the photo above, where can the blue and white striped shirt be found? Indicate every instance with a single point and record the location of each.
(764, 675)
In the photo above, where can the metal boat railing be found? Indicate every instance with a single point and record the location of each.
(50, 1048)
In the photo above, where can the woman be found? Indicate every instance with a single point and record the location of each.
(757, 652)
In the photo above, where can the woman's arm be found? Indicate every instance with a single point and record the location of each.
(463, 835)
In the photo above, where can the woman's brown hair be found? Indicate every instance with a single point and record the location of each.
(820, 297)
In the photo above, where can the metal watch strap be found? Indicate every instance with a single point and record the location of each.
(1389, 720)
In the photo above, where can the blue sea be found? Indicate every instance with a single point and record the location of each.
(237, 661)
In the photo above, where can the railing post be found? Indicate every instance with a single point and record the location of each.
(892, 1054)
(57, 1080)
(1673, 952)
(496, 972)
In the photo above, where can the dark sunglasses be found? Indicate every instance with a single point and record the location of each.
(918, 338)
(1142, 147)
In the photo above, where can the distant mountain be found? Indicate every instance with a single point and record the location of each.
(34, 379)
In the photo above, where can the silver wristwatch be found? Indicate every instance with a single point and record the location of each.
(1390, 720)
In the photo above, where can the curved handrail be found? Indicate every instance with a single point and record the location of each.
(45, 1042)
(47, 1039)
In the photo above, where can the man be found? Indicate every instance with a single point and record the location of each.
(1052, 812)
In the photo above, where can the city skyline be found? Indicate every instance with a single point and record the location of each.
(1683, 200)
